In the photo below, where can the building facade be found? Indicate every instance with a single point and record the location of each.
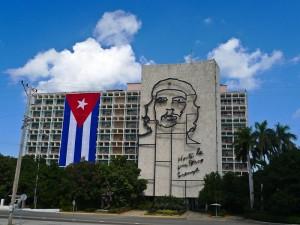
(119, 121)
(180, 128)
(234, 116)
(117, 129)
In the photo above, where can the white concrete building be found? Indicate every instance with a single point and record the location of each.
(205, 140)
(117, 128)
(234, 115)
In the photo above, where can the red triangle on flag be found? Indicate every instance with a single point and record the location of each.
(82, 105)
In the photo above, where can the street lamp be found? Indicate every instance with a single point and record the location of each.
(36, 182)
(38, 157)
(216, 207)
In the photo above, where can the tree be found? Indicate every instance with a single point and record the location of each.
(282, 184)
(264, 138)
(85, 181)
(212, 191)
(230, 191)
(53, 187)
(119, 182)
(235, 192)
(243, 146)
(121, 179)
(283, 140)
(7, 169)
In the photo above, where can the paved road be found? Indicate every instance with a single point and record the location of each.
(38, 218)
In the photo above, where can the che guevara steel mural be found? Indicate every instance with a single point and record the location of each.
(173, 103)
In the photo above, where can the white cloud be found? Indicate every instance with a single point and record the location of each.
(88, 66)
(190, 58)
(144, 61)
(296, 59)
(116, 28)
(208, 21)
(37, 67)
(240, 66)
(296, 114)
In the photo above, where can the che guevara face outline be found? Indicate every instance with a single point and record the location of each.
(169, 105)
(191, 99)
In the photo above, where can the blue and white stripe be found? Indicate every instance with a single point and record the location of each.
(78, 142)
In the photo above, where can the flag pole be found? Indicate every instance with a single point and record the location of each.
(28, 90)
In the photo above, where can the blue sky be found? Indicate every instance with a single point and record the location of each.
(255, 42)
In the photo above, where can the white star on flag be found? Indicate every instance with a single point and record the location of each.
(81, 104)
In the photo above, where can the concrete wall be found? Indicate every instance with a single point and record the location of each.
(183, 162)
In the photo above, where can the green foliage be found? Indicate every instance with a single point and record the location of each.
(121, 178)
(119, 210)
(85, 182)
(230, 191)
(168, 203)
(281, 184)
(279, 197)
(7, 170)
(263, 143)
(145, 203)
(166, 212)
(212, 191)
(235, 192)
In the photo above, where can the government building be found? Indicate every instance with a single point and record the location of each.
(178, 124)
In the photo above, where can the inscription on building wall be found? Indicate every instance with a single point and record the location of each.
(189, 164)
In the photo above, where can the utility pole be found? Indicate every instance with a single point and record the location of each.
(36, 181)
(26, 121)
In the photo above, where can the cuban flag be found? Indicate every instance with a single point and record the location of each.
(79, 134)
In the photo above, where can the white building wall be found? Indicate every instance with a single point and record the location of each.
(158, 163)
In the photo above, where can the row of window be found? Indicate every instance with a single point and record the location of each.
(233, 95)
(235, 120)
(234, 101)
(237, 166)
(106, 150)
(233, 108)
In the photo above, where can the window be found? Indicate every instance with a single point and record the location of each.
(227, 166)
(57, 125)
(59, 113)
(60, 101)
(132, 111)
(131, 124)
(46, 125)
(106, 112)
(49, 102)
(48, 114)
(56, 137)
(104, 150)
(107, 100)
(131, 99)
(104, 137)
(36, 113)
(38, 101)
(130, 137)
(33, 137)
(129, 150)
(35, 125)
(106, 124)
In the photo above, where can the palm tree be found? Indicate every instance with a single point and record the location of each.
(243, 146)
(283, 139)
(264, 138)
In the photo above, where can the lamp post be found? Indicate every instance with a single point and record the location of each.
(38, 158)
(36, 182)
(28, 90)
